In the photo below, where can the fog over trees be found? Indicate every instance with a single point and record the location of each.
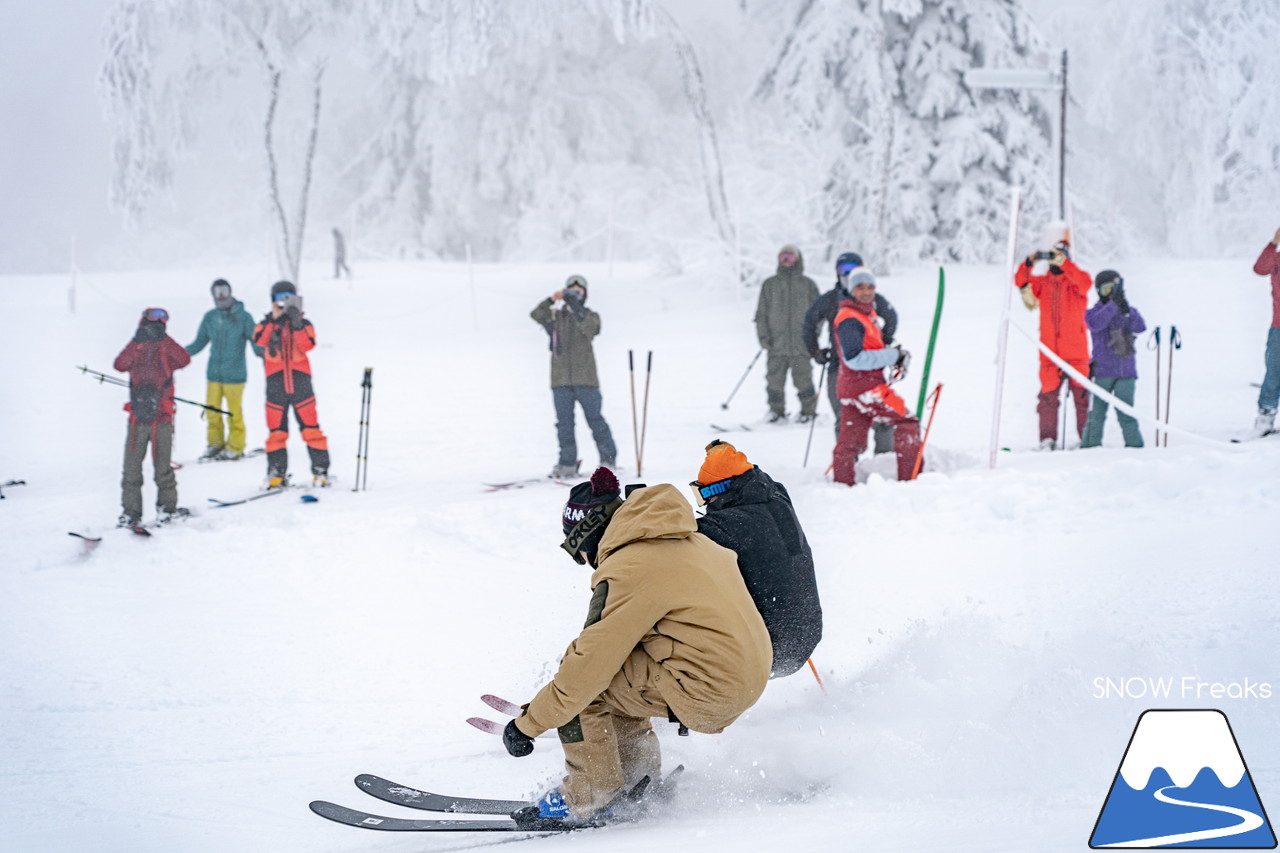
(693, 133)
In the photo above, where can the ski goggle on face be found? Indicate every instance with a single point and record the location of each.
(283, 295)
(156, 314)
(702, 493)
(846, 268)
(787, 258)
(221, 291)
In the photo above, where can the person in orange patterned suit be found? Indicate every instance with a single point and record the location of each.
(1061, 291)
(286, 336)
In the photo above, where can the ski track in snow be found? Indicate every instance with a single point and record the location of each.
(194, 691)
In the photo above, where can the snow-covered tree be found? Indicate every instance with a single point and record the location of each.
(919, 165)
(170, 63)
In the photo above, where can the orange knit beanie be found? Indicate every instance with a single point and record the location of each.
(723, 461)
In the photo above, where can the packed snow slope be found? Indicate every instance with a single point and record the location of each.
(194, 691)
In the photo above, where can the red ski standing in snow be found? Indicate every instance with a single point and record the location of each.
(150, 360)
(865, 396)
(1061, 293)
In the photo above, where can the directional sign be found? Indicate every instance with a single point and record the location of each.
(1012, 78)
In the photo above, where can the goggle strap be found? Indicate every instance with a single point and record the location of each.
(592, 522)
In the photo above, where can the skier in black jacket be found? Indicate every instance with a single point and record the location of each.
(751, 515)
(823, 313)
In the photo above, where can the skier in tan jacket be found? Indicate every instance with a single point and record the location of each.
(671, 632)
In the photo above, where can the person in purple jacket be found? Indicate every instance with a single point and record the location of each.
(1113, 325)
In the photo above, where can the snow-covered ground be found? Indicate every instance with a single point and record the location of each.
(194, 691)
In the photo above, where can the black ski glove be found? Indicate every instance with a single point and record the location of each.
(823, 356)
(1118, 297)
(517, 742)
(294, 316)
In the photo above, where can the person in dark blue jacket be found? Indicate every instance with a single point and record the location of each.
(226, 328)
(751, 514)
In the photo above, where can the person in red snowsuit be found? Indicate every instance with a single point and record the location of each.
(865, 397)
(1268, 264)
(286, 336)
(150, 360)
(1061, 292)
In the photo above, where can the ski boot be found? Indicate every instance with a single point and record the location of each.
(180, 513)
(1265, 423)
(563, 470)
(228, 455)
(211, 453)
(127, 522)
(276, 480)
(319, 478)
(777, 417)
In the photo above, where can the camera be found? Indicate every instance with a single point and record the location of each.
(1043, 256)
(290, 300)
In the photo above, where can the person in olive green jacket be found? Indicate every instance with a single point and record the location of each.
(571, 325)
(671, 632)
(227, 327)
(784, 299)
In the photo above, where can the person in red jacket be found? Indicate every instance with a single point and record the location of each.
(865, 396)
(286, 336)
(1269, 397)
(150, 360)
(1050, 280)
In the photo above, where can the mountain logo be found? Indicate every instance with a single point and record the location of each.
(1183, 783)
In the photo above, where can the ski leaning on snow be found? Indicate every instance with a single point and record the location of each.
(403, 795)
(1268, 434)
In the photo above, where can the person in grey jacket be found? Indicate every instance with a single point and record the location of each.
(570, 326)
(784, 298)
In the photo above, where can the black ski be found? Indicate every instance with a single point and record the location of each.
(523, 484)
(365, 820)
(1266, 434)
(90, 540)
(217, 504)
(719, 428)
(403, 795)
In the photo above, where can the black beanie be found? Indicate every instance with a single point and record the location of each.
(282, 287)
(588, 510)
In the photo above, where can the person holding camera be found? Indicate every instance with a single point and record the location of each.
(865, 395)
(1114, 325)
(1049, 280)
(286, 335)
(822, 313)
(571, 325)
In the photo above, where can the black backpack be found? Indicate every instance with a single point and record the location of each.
(144, 401)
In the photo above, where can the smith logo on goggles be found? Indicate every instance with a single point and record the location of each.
(706, 493)
(592, 523)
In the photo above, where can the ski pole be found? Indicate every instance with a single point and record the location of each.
(933, 337)
(1155, 338)
(644, 418)
(362, 441)
(725, 404)
(822, 381)
(115, 380)
(937, 392)
(635, 428)
(1175, 342)
(814, 669)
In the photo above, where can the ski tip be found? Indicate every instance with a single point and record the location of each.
(487, 726)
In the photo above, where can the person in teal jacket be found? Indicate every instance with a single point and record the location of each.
(228, 327)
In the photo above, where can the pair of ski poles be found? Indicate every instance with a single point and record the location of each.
(362, 442)
(639, 433)
(115, 380)
(1153, 343)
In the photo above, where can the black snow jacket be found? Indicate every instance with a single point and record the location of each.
(824, 309)
(755, 520)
